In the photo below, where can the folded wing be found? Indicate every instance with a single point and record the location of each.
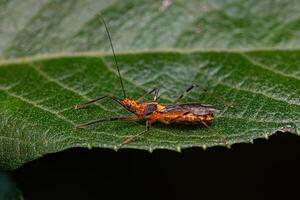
(196, 109)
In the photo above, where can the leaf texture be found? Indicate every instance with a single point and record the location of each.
(54, 26)
(55, 54)
(37, 98)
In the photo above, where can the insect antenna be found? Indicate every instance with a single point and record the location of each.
(220, 98)
(115, 58)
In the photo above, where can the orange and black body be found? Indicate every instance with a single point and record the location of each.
(193, 113)
(153, 111)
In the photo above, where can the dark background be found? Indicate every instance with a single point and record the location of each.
(267, 168)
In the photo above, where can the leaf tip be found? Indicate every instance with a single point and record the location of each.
(89, 146)
(204, 147)
(266, 136)
(150, 149)
(116, 148)
(178, 149)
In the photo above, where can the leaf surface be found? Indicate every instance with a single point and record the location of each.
(54, 26)
(55, 54)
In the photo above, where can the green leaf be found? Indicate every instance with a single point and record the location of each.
(38, 92)
(37, 98)
(53, 26)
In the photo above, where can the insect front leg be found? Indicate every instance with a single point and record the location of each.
(155, 91)
(86, 104)
(125, 118)
(130, 138)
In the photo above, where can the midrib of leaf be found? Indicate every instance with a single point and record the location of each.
(101, 54)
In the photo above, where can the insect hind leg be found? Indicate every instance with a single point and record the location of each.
(221, 136)
(185, 93)
(220, 98)
(130, 138)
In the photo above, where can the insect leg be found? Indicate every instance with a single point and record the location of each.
(130, 138)
(84, 105)
(155, 94)
(132, 118)
(185, 93)
(155, 91)
(220, 98)
(229, 104)
(218, 134)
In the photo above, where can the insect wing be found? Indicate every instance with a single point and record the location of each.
(196, 109)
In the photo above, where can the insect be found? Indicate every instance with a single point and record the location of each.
(153, 111)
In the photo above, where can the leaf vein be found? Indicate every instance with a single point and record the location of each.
(34, 104)
(261, 65)
(62, 85)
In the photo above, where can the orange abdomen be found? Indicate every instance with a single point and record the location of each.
(168, 118)
(194, 119)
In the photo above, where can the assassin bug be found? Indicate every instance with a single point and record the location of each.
(191, 113)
